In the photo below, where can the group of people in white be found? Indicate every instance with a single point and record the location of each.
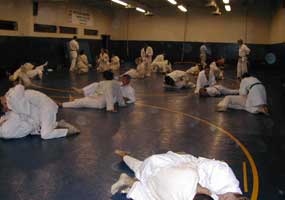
(175, 175)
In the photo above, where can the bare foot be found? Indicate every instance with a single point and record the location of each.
(121, 153)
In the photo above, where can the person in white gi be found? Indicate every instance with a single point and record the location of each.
(103, 61)
(73, 52)
(205, 79)
(178, 79)
(216, 91)
(115, 63)
(38, 110)
(139, 72)
(252, 97)
(99, 95)
(146, 55)
(157, 178)
(203, 55)
(242, 60)
(195, 70)
(161, 65)
(214, 67)
(27, 72)
(82, 63)
(127, 90)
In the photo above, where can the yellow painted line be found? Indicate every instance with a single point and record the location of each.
(255, 188)
(245, 182)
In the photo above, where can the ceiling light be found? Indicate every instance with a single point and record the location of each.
(226, 1)
(228, 8)
(182, 8)
(140, 10)
(120, 2)
(172, 2)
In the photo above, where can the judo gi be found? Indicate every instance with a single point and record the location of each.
(242, 61)
(128, 93)
(99, 95)
(138, 73)
(252, 95)
(203, 55)
(219, 74)
(203, 82)
(115, 63)
(38, 108)
(73, 52)
(159, 64)
(161, 177)
(219, 90)
(103, 62)
(193, 70)
(82, 64)
(181, 79)
(146, 55)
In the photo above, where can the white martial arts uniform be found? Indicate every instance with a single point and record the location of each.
(203, 55)
(193, 70)
(16, 126)
(161, 65)
(163, 177)
(252, 95)
(202, 81)
(242, 61)
(146, 55)
(140, 72)
(216, 71)
(99, 95)
(115, 63)
(73, 52)
(104, 63)
(38, 108)
(218, 90)
(27, 72)
(82, 64)
(214, 175)
(180, 78)
(129, 93)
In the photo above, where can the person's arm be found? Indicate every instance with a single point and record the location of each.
(243, 88)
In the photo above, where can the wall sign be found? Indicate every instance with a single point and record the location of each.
(80, 17)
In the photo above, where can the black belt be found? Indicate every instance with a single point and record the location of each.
(254, 85)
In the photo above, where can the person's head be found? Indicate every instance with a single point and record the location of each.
(82, 52)
(126, 79)
(240, 42)
(203, 92)
(102, 50)
(108, 75)
(202, 197)
(75, 37)
(200, 67)
(4, 106)
(245, 75)
(169, 81)
(138, 60)
(207, 70)
(106, 51)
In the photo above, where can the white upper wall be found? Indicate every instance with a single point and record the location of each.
(51, 14)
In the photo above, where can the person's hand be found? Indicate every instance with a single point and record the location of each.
(2, 122)
(228, 196)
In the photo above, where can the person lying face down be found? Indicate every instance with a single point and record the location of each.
(216, 91)
(31, 112)
(179, 176)
(178, 79)
(99, 95)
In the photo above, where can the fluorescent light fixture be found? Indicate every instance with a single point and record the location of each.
(226, 1)
(140, 10)
(120, 2)
(182, 8)
(172, 2)
(228, 8)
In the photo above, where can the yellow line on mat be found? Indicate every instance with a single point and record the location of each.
(245, 183)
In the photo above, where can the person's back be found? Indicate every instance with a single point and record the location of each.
(177, 74)
(39, 99)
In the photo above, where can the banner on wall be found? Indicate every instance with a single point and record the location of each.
(80, 17)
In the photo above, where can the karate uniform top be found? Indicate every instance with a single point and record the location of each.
(255, 91)
(203, 49)
(128, 92)
(73, 45)
(115, 60)
(159, 58)
(243, 51)
(83, 62)
(203, 82)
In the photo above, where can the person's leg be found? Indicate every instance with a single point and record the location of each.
(227, 91)
(239, 68)
(49, 124)
(123, 184)
(133, 163)
(244, 66)
(234, 102)
(73, 56)
(86, 102)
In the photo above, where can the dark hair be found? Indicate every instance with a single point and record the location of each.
(245, 75)
(127, 76)
(202, 197)
(169, 81)
(75, 37)
(108, 75)
(81, 52)
(207, 66)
